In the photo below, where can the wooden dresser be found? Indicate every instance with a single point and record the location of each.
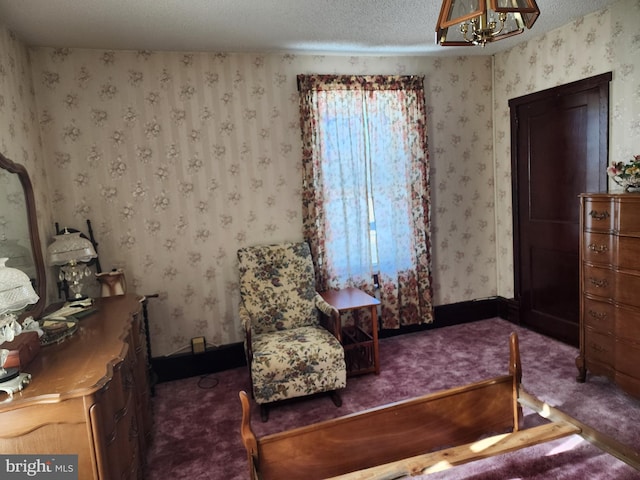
(610, 286)
(89, 396)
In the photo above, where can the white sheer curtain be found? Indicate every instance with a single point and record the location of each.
(366, 191)
(345, 188)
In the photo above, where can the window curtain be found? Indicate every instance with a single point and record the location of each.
(365, 157)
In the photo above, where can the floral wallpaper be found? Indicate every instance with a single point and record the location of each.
(20, 142)
(603, 41)
(14, 229)
(180, 158)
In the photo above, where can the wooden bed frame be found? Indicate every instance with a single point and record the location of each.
(417, 436)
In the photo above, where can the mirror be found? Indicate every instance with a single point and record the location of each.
(19, 238)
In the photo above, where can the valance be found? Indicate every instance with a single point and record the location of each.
(360, 82)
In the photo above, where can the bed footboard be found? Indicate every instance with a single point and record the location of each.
(418, 436)
(389, 433)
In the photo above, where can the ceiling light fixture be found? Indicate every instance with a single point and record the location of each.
(475, 24)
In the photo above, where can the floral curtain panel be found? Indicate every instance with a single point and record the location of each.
(366, 191)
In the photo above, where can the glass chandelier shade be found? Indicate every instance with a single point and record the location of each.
(70, 247)
(16, 292)
(67, 250)
(470, 22)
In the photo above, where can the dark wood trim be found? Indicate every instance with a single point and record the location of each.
(183, 365)
(451, 314)
(36, 249)
(509, 309)
(601, 81)
(563, 327)
(584, 84)
(217, 359)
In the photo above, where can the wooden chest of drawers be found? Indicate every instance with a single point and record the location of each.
(89, 396)
(610, 286)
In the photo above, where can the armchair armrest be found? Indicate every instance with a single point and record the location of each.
(245, 320)
(332, 314)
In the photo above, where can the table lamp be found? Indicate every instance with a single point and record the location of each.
(16, 292)
(68, 250)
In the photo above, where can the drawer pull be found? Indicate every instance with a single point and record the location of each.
(598, 315)
(599, 215)
(598, 283)
(598, 248)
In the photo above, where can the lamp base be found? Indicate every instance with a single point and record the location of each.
(77, 297)
(7, 374)
(14, 385)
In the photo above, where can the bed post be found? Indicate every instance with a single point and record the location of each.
(248, 437)
(515, 370)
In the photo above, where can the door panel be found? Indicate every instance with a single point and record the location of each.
(551, 296)
(559, 150)
(553, 129)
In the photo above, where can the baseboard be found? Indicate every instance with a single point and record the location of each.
(455, 314)
(213, 359)
(217, 359)
(509, 309)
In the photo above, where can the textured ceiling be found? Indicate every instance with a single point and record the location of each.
(346, 27)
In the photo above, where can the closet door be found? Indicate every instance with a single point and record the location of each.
(559, 150)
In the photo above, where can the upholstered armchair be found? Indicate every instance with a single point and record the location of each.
(292, 336)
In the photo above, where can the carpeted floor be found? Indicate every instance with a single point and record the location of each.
(197, 421)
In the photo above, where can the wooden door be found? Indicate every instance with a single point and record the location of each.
(559, 141)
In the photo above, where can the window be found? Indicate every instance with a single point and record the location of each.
(365, 186)
(349, 167)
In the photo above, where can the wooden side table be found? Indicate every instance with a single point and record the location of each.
(360, 347)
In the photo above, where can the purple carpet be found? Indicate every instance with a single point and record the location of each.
(197, 433)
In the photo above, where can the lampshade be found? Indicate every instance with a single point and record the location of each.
(16, 291)
(470, 22)
(70, 247)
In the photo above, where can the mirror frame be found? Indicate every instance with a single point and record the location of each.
(36, 248)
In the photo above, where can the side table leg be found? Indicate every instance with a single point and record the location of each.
(374, 329)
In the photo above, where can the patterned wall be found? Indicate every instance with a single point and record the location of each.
(597, 43)
(181, 158)
(19, 131)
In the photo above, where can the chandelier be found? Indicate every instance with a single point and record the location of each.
(470, 22)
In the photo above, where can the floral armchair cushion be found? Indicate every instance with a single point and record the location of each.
(296, 362)
(277, 286)
(289, 353)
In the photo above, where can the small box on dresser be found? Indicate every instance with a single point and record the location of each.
(609, 285)
(22, 350)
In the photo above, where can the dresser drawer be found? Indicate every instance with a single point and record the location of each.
(628, 384)
(599, 347)
(629, 215)
(628, 325)
(628, 256)
(599, 281)
(598, 248)
(627, 289)
(628, 358)
(598, 215)
(600, 316)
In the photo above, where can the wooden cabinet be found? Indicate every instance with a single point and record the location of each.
(89, 396)
(610, 286)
